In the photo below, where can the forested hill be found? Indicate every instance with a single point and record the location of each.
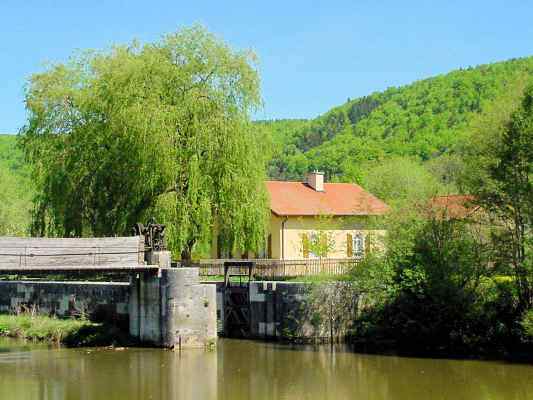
(424, 119)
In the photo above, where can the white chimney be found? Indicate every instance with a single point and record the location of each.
(315, 179)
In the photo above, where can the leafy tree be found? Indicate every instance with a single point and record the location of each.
(320, 241)
(447, 169)
(527, 323)
(400, 181)
(503, 186)
(15, 197)
(438, 287)
(157, 129)
(424, 291)
(15, 202)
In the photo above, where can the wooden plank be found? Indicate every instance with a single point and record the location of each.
(128, 241)
(86, 268)
(71, 251)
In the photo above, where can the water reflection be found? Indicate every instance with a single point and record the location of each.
(249, 370)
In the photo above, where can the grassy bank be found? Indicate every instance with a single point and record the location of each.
(71, 332)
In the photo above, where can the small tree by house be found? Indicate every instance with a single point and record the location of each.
(319, 242)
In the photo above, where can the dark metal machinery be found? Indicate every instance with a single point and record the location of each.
(154, 235)
(237, 298)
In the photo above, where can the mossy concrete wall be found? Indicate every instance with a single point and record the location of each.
(297, 311)
(169, 309)
(98, 301)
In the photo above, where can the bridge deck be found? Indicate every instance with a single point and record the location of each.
(52, 269)
(72, 255)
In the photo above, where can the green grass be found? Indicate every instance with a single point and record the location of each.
(212, 278)
(40, 327)
(72, 332)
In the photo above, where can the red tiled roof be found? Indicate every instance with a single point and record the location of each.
(297, 198)
(456, 206)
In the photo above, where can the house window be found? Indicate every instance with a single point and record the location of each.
(314, 245)
(314, 242)
(358, 245)
(309, 245)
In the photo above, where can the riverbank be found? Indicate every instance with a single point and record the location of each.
(70, 332)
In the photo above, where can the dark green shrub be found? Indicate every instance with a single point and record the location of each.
(527, 324)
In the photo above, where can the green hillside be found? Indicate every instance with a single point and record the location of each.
(424, 120)
(16, 193)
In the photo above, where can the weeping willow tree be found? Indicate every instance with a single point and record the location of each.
(159, 129)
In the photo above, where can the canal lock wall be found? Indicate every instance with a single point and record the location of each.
(170, 309)
(291, 311)
(97, 301)
(174, 309)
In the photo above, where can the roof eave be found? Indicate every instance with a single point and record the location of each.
(369, 214)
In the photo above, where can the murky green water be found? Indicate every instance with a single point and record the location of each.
(249, 370)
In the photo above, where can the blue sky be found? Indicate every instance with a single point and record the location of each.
(313, 55)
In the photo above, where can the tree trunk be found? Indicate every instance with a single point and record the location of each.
(186, 253)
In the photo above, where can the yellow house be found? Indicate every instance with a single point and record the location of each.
(316, 219)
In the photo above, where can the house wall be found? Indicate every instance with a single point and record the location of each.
(286, 235)
(337, 229)
(275, 230)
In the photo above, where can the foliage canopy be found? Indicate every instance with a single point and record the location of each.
(160, 129)
(502, 182)
(16, 193)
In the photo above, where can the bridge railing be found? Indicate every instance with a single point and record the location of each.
(282, 269)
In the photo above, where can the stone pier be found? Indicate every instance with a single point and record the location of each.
(172, 309)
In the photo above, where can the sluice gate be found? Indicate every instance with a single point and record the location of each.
(236, 297)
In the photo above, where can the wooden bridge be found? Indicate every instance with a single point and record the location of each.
(63, 255)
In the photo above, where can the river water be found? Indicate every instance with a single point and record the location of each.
(248, 370)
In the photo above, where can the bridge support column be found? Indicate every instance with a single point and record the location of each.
(172, 309)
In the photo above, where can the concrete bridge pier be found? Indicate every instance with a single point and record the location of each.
(172, 309)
